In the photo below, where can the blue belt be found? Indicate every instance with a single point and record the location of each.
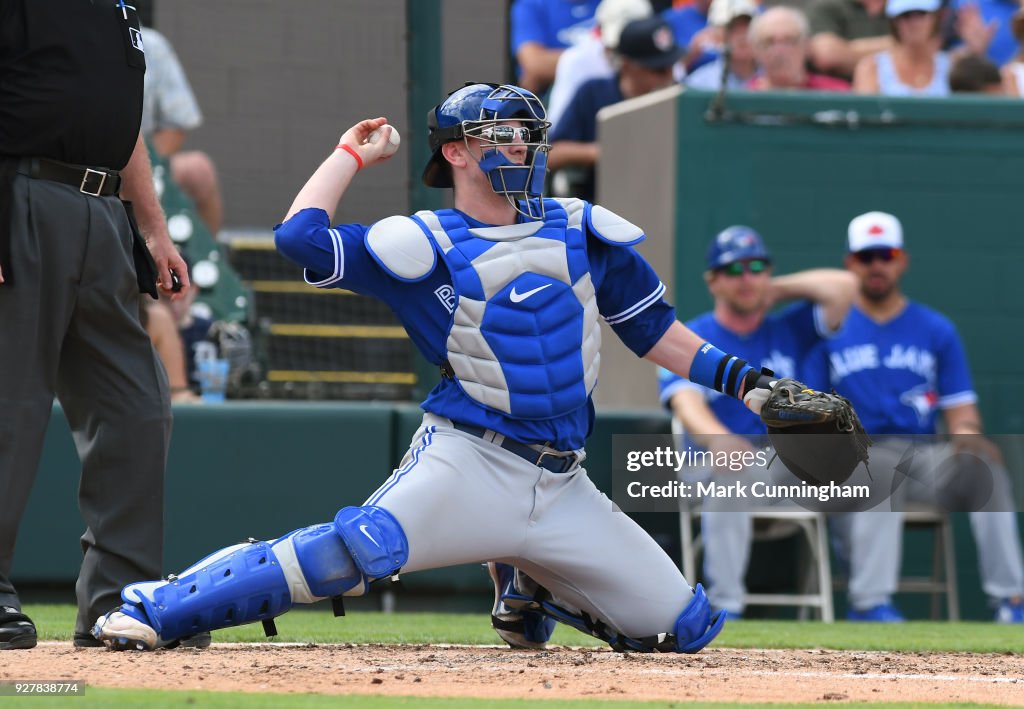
(555, 462)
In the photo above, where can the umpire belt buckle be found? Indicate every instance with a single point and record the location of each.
(89, 172)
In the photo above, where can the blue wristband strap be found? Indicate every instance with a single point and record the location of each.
(719, 371)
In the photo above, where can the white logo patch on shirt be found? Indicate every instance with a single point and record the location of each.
(136, 39)
(446, 294)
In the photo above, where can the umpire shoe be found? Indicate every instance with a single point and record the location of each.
(518, 626)
(17, 631)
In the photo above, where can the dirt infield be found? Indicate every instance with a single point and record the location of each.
(430, 670)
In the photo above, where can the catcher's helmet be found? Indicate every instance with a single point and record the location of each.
(481, 111)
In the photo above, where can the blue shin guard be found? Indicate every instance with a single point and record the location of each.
(261, 580)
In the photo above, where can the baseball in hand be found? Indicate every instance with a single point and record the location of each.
(393, 143)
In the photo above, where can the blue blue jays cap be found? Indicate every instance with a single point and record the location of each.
(736, 243)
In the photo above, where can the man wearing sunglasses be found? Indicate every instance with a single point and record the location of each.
(901, 364)
(739, 278)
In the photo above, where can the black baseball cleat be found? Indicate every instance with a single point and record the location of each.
(17, 631)
(87, 640)
(519, 626)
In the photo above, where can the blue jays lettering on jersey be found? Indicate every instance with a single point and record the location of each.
(897, 374)
(780, 344)
(628, 295)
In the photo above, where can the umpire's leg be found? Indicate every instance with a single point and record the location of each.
(35, 305)
(114, 390)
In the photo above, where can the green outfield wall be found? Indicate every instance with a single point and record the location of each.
(259, 470)
(799, 168)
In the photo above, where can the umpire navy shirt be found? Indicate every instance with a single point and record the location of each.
(71, 76)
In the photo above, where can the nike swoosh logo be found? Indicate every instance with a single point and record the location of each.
(362, 528)
(520, 297)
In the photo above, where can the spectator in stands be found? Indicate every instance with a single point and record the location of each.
(779, 37)
(914, 65)
(845, 31)
(157, 318)
(972, 74)
(739, 278)
(734, 16)
(1013, 72)
(191, 329)
(902, 364)
(169, 112)
(647, 50)
(591, 57)
(986, 27)
(540, 31)
(701, 41)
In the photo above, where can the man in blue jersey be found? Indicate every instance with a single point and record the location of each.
(540, 30)
(503, 294)
(901, 364)
(739, 278)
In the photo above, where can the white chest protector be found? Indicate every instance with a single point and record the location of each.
(524, 338)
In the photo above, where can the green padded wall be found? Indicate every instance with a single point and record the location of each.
(261, 469)
(950, 170)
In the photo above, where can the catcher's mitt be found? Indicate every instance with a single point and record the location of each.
(792, 411)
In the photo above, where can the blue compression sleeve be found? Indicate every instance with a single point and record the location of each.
(719, 371)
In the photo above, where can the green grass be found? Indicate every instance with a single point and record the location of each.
(55, 622)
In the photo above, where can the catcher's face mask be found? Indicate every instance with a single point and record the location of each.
(499, 117)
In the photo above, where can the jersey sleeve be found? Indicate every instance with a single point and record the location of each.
(174, 104)
(804, 322)
(813, 369)
(630, 296)
(526, 21)
(333, 257)
(954, 375)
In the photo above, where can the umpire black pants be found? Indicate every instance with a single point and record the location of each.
(69, 326)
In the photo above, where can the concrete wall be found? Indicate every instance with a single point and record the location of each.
(636, 178)
(280, 80)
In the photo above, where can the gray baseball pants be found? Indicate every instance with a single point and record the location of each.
(463, 500)
(71, 329)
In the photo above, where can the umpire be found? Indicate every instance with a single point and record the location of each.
(71, 77)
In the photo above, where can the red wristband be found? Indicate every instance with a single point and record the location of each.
(353, 153)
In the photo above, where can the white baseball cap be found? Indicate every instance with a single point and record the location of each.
(613, 15)
(722, 12)
(895, 8)
(875, 230)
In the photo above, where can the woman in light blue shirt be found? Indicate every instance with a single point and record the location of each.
(915, 65)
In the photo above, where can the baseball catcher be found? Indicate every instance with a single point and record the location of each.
(503, 293)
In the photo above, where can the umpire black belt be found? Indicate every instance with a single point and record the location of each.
(555, 462)
(93, 181)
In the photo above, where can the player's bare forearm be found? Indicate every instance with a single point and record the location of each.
(832, 288)
(538, 64)
(168, 141)
(571, 152)
(137, 188)
(675, 350)
(692, 410)
(325, 188)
